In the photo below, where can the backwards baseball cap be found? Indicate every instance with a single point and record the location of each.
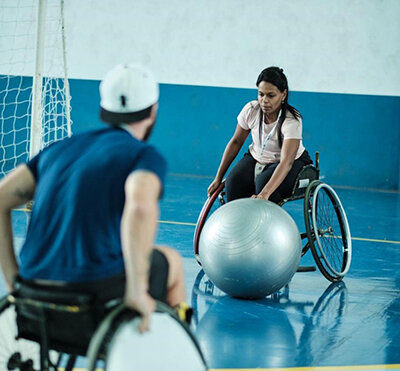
(127, 92)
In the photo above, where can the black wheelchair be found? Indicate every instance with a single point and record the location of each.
(43, 327)
(327, 229)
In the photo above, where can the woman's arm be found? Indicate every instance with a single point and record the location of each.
(231, 150)
(288, 155)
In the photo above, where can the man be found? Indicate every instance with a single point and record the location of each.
(95, 209)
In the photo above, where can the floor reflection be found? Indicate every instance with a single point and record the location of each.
(273, 332)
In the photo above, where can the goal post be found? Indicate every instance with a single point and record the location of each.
(37, 84)
(34, 89)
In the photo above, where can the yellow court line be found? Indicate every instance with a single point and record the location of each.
(374, 240)
(177, 223)
(311, 368)
(317, 368)
(194, 224)
(353, 238)
(365, 239)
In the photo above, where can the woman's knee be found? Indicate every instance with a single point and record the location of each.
(238, 188)
(264, 178)
(239, 184)
(232, 182)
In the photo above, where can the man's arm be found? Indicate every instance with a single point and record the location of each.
(16, 189)
(138, 228)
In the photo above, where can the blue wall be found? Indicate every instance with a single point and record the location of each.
(334, 66)
(358, 136)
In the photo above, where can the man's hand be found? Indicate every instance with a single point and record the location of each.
(145, 305)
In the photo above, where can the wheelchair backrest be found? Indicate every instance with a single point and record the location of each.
(306, 175)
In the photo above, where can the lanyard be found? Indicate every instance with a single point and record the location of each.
(271, 133)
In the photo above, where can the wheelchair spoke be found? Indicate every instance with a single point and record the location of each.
(328, 227)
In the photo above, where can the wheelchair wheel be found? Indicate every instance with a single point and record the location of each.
(118, 344)
(100, 341)
(216, 200)
(328, 231)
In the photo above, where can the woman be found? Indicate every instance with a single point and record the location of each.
(275, 157)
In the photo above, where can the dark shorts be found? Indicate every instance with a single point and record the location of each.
(114, 287)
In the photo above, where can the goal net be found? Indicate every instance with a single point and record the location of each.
(34, 90)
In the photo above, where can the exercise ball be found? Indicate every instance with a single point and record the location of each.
(250, 248)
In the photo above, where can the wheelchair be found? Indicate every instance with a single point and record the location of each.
(327, 229)
(43, 327)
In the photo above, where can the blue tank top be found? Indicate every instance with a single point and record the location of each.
(74, 231)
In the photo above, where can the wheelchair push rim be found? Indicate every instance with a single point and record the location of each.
(204, 213)
(104, 338)
(328, 231)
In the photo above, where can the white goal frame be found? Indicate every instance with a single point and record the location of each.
(48, 119)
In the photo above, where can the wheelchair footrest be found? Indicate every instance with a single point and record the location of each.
(306, 269)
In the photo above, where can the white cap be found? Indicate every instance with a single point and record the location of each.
(125, 90)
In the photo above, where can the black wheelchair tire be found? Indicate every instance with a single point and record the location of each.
(310, 215)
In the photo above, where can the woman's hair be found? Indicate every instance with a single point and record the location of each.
(276, 77)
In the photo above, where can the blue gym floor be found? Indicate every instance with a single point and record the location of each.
(311, 323)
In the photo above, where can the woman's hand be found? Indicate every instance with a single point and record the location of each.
(213, 186)
(261, 196)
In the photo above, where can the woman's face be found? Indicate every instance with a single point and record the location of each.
(270, 98)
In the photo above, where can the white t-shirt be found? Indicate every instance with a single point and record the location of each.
(249, 119)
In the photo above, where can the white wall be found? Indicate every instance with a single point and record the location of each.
(342, 46)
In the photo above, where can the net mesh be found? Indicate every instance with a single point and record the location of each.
(18, 23)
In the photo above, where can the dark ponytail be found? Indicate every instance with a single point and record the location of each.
(276, 77)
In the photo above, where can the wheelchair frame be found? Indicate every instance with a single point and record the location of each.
(40, 314)
(41, 309)
(331, 259)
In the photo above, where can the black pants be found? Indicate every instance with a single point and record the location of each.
(240, 180)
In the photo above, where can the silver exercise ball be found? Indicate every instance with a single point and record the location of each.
(250, 248)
